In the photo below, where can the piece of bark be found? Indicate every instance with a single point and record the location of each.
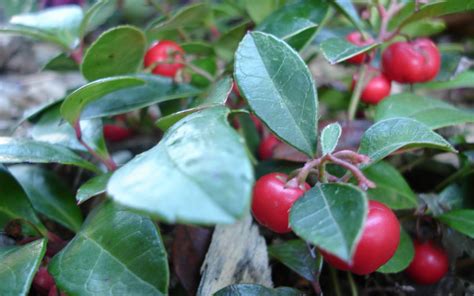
(237, 254)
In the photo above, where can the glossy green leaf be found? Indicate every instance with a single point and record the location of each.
(296, 256)
(346, 7)
(188, 16)
(73, 104)
(389, 135)
(157, 89)
(461, 220)
(118, 51)
(61, 63)
(217, 96)
(57, 24)
(96, 15)
(206, 64)
(25, 150)
(116, 252)
(403, 256)
(202, 169)
(392, 189)
(463, 80)
(256, 290)
(198, 48)
(293, 21)
(51, 128)
(331, 217)
(49, 195)
(329, 137)
(432, 112)
(336, 50)
(438, 9)
(14, 203)
(228, 42)
(92, 187)
(19, 265)
(275, 80)
(259, 10)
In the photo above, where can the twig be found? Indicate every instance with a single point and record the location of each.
(108, 162)
(357, 92)
(363, 182)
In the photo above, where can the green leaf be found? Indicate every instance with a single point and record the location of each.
(329, 137)
(389, 135)
(217, 96)
(424, 28)
(19, 266)
(331, 216)
(118, 51)
(275, 80)
(115, 253)
(228, 42)
(51, 128)
(432, 112)
(96, 15)
(14, 203)
(392, 189)
(201, 163)
(92, 187)
(296, 256)
(198, 48)
(156, 89)
(73, 104)
(403, 256)
(259, 10)
(10, 8)
(438, 9)
(336, 50)
(26, 150)
(462, 80)
(451, 198)
(61, 63)
(461, 220)
(256, 290)
(295, 21)
(188, 16)
(49, 195)
(349, 11)
(59, 25)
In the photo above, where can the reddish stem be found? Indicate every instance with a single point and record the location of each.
(363, 182)
(108, 162)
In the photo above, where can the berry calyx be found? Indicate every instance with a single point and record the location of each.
(411, 62)
(266, 147)
(376, 89)
(116, 133)
(378, 243)
(356, 38)
(168, 57)
(430, 263)
(272, 199)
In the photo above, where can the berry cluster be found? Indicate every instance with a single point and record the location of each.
(404, 62)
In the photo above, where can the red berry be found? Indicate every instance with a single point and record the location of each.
(169, 58)
(411, 62)
(429, 265)
(375, 90)
(378, 243)
(272, 200)
(258, 124)
(116, 133)
(266, 147)
(43, 281)
(356, 38)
